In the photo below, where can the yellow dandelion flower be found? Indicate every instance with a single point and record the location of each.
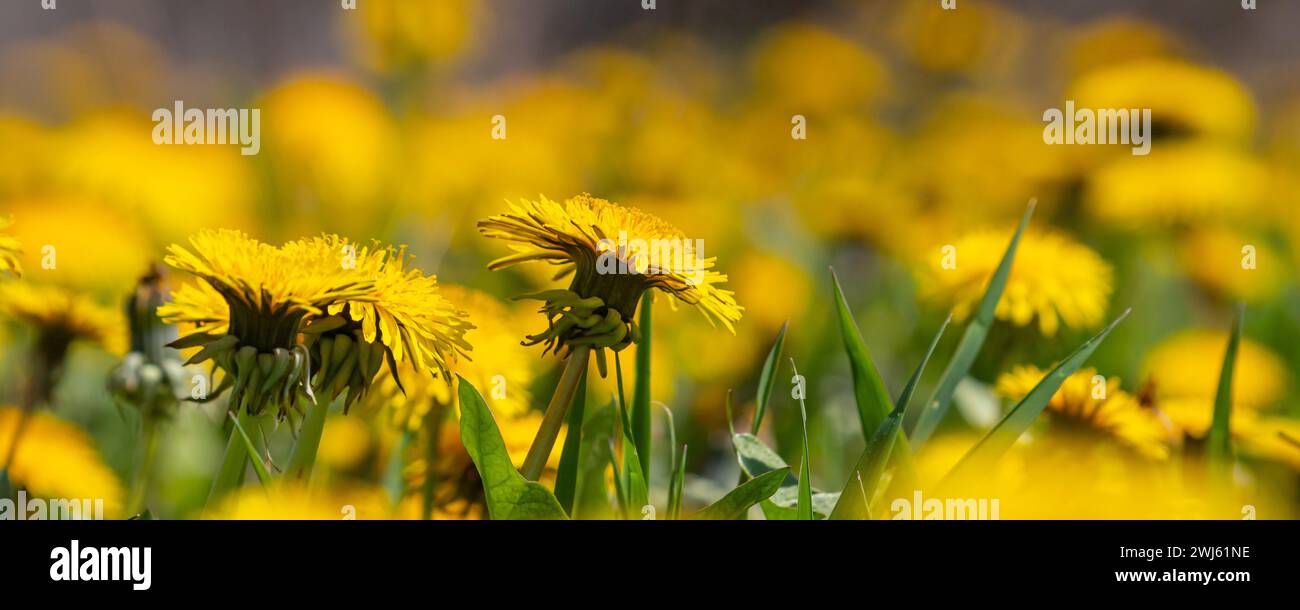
(1192, 417)
(10, 250)
(1187, 365)
(979, 36)
(355, 307)
(1053, 279)
(1178, 183)
(54, 459)
(610, 252)
(1090, 405)
(1183, 97)
(62, 316)
(614, 254)
(345, 443)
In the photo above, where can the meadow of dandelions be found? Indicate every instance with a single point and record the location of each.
(389, 313)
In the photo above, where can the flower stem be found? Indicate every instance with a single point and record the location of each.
(140, 486)
(232, 464)
(304, 451)
(540, 450)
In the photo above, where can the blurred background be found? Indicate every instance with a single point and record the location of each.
(924, 132)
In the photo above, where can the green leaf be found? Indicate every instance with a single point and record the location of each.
(635, 483)
(1220, 437)
(592, 498)
(263, 476)
(756, 458)
(971, 342)
(508, 494)
(854, 500)
(736, 503)
(566, 478)
(641, 432)
(986, 452)
(767, 379)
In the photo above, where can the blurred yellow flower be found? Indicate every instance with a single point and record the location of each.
(1054, 279)
(345, 443)
(1192, 416)
(173, 190)
(55, 459)
(332, 143)
(1178, 183)
(10, 251)
(62, 317)
(1089, 406)
(398, 35)
(81, 244)
(1183, 97)
(979, 36)
(805, 69)
(1187, 365)
(292, 502)
(24, 158)
(1275, 438)
(1112, 41)
(1233, 265)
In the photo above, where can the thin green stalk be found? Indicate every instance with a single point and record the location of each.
(540, 450)
(432, 428)
(641, 433)
(140, 486)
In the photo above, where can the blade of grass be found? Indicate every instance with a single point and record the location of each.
(675, 486)
(804, 511)
(873, 401)
(971, 342)
(263, 476)
(986, 452)
(566, 478)
(641, 432)
(1220, 438)
(871, 465)
(767, 379)
(736, 503)
(869, 390)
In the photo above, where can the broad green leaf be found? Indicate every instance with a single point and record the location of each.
(1005, 433)
(871, 464)
(784, 504)
(767, 379)
(508, 494)
(736, 503)
(263, 476)
(971, 342)
(641, 432)
(592, 500)
(756, 458)
(1220, 438)
(566, 478)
